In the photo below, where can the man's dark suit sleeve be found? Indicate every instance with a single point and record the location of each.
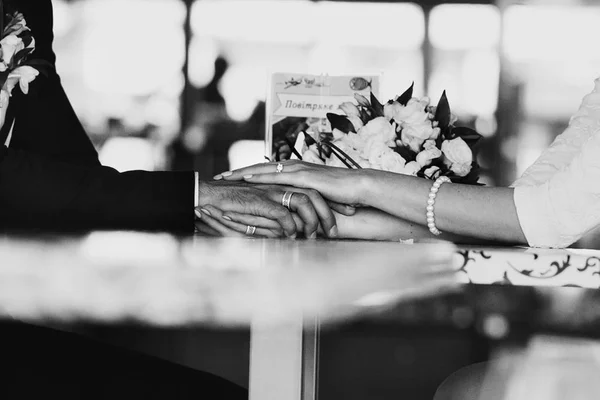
(40, 193)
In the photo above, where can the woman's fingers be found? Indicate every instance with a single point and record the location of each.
(206, 217)
(252, 220)
(201, 227)
(240, 229)
(266, 168)
(343, 209)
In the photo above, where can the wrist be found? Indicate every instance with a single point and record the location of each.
(365, 186)
(204, 193)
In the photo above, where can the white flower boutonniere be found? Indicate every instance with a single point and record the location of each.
(16, 46)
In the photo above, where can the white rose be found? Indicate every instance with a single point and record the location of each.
(423, 130)
(412, 168)
(374, 151)
(429, 144)
(461, 169)
(457, 151)
(24, 76)
(379, 126)
(432, 172)
(413, 113)
(412, 142)
(352, 140)
(349, 109)
(425, 157)
(312, 157)
(391, 111)
(393, 162)
(10, 46)
(337, 134)
(459, 156)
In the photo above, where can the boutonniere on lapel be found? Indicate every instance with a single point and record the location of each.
(16, 46)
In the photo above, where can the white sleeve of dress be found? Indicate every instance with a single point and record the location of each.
(568, 144)
(563, 209)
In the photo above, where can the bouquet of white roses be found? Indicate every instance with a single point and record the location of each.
(407, 135)
(16, 45)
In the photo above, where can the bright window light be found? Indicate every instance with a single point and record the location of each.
(481, 80)
(203, 53)
(388, 25)
(243, 87)
(62, 17)
(551, 32)
(140, 61)
(254, 20)
(464, 26)
(128, 154)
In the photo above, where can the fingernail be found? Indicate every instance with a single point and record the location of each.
(226, 218)
(206, 212)
(313, 236)
(247, 176)
(334, 231)
(293, 237)
(218, 177)
(198, 213)
(226, 174)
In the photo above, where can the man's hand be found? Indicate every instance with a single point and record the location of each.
(238, 206)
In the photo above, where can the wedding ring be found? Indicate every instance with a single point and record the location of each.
(250, 230)
(287, 199)
(280, 168)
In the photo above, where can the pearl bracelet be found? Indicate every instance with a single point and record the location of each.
(431, 204)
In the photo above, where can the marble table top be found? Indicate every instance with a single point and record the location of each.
(161, 280)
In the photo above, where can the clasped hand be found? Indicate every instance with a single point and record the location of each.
(276, 200)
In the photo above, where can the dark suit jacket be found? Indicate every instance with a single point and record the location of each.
(50, 177)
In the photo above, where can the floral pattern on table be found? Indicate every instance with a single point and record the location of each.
(529, 267)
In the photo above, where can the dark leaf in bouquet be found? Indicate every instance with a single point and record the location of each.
(3, 77)
(21, 56)
(27, 38)
(43, 66)
(470, 136)
(293, 148)
(407, 95)
(364, 115)
(340, 122)
(376, 106)
(362, 100)
(309, 140)
(406, 153)
(442, 114)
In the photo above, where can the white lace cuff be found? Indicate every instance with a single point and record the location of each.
(536, 216)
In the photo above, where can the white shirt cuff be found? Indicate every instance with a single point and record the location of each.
(196, 189)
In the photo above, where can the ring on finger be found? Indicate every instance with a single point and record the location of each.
(250, 230)
(287, 199)
(280, 167)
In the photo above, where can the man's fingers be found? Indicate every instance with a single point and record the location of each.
(303, 206)
(324, 213)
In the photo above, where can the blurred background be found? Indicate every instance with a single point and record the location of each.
(181, 84)
(173, 84)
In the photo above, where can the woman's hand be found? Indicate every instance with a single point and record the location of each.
(344, 186)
